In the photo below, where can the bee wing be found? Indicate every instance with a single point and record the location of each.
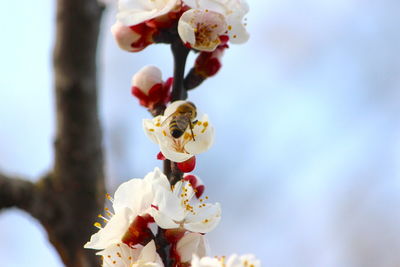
(168, 118)
(182, 121)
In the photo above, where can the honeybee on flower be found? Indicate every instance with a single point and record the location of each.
(185, 145)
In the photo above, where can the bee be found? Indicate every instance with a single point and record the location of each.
(183, 117)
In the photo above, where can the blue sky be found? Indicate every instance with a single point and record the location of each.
(306, 158)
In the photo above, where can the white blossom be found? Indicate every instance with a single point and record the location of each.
(233, 12)
(182, 209)
(182, 148)
(133, 198)
(202, 29)
(247, 260)
(132, 12)
(122, 255)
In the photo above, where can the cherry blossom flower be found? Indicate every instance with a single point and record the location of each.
(189, 244)
(149, 87)
(133, 12)
(208, 20)
(121, 255)
(182, 209)
(185, 147)
(131, 204)
(201, 29)
(247, 260)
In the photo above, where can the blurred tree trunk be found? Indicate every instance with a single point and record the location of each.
(68, 199)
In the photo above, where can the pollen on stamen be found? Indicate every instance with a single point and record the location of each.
(108, 196)
(164, 133)
(229, 27)
(158, 124)
(199, 123)
(151, 130)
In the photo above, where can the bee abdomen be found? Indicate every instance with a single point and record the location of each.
(176, 133)
(174, 129)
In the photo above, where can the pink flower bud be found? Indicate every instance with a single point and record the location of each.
(149, 88)
(133, 38)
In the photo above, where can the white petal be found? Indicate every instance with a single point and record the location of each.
(173, 155)
(150, 129)
(148, 253)
(213, 5)
(204, 137)
(119, 255)
(192, 243)
(157, 179)
(168, 209)
(130, 194)
(113, 231)
(205, 262)
(242, 261)
(205, 220)
(186, 32)
(238, 33)
(135, 12)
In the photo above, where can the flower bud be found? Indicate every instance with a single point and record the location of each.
(133, 38)
(149, 88)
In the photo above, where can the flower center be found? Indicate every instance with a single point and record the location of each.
(205, 35)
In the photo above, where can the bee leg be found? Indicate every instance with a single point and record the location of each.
(191, 129)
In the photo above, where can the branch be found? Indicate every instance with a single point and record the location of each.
(15, 192)
(180, 53)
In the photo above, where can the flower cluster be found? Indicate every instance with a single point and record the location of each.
(201, 23)
(162, 220)
(182, 215)
(207, 26)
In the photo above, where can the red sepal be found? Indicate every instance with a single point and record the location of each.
(146, 36)
(193, 180)
(160, 93)
(139, 232)
(188, 165)
(160, 156)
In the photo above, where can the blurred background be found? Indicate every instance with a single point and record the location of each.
(306, 162)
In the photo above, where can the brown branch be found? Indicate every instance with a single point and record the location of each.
(68, 200)
(180, 53)
(15, 192)
(77, 183)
